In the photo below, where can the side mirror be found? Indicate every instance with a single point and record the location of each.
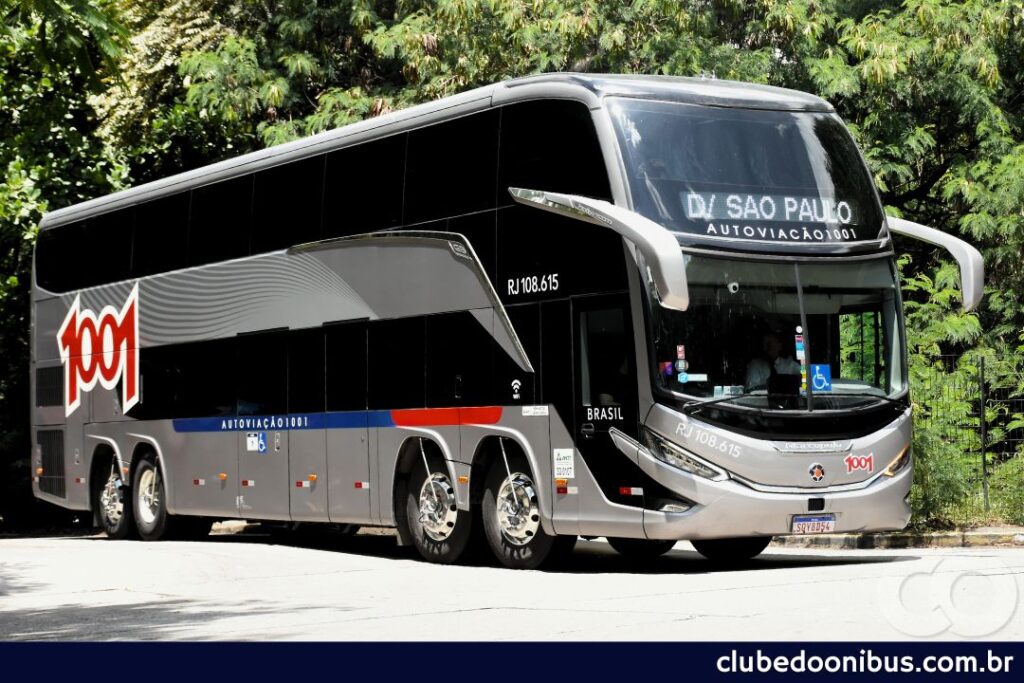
(657, 246)
(972, 269)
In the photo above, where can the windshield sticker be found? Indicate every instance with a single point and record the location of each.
(785, 218)
(666, 368)
(682, 365)
(684, 377)
(821, 377)
(680, 351)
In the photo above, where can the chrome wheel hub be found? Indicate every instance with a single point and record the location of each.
(149, 496)
(111, 503)
(518, 516)
(438, 509)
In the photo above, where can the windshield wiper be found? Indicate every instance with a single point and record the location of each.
(862, 394)
(695, 406)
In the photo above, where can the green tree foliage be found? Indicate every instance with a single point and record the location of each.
(52, 55)
(145, 116)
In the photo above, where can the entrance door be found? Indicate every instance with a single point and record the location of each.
(606, 392)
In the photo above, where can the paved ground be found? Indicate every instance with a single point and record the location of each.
(251, 586)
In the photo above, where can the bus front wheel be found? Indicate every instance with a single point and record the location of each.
(732, 549)
(440, 531)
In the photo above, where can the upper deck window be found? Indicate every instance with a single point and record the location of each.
(771, 176)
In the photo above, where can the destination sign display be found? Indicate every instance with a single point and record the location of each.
(771, 217)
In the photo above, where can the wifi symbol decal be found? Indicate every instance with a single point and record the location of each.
(516, 386)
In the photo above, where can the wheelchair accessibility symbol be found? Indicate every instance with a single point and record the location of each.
(821, 377)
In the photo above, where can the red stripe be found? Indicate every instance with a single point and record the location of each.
(446, 417)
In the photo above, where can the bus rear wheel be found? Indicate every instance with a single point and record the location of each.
(732, 549)
(111, 505)
(640, 548)
(150, 500)
(439, 530)
(511, 518)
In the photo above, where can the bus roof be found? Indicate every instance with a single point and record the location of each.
(587, 88)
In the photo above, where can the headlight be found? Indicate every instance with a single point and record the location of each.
(673, 455)
(898, 463)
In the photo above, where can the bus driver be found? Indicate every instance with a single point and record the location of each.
(759, 370)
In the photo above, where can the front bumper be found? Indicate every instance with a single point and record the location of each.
(726, 509)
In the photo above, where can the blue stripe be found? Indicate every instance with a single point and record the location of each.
(340, 420)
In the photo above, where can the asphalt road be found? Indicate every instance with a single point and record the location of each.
(254, 587)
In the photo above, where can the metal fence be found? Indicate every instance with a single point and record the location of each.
(974, 403)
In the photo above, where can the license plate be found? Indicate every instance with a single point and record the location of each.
(814, 524)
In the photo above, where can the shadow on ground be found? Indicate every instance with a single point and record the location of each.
(163, 620)
(589, 557)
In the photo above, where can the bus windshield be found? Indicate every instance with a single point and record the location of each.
(768, 176)
(782, 335)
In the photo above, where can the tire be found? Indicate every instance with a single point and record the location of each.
(112, 505)
(732, 549)
(441, 533)
(515, 534)
(149, 500)
(640, 548)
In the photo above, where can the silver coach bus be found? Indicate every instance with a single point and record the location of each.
(640, 308)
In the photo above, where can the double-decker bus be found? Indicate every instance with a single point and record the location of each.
(640, 308)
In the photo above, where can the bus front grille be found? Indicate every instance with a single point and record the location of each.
(51, 447)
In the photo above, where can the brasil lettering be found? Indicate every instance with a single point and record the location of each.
(100, 349)
(608, 413)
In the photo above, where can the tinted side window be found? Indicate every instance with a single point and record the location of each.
(161, 235)
(537, 249)
(56, 257)
(160, 374)
(363, 187)
(459, 359)
(87, 253)
(261, 373)
(306, 371)
(286, 205)
(452, 168)
(550, 145)
(346, 366)
(219, 221)
(206, 373)
(106, 252)
(396, 364)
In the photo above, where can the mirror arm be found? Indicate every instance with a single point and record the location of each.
(972, 268)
